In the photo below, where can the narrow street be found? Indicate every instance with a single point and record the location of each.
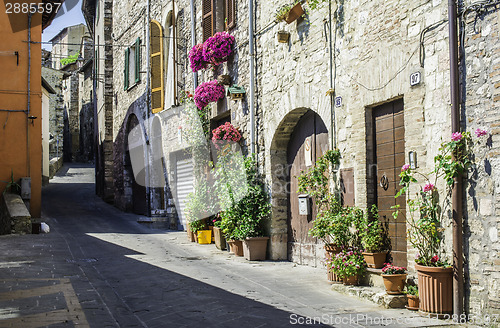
(99, 268)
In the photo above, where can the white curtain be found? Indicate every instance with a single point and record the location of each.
(170, 63)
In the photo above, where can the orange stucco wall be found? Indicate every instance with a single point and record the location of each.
(24, 158)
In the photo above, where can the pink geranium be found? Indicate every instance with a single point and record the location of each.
(481, 132)
(196, 58)
(405, 167)
(225, 133)
(429, 187)
(217, 48)
(457, 136)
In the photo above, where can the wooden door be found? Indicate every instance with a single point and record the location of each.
(390, 157)
(307, 143)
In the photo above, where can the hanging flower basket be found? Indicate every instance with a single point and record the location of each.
(208, 92)
(196, 58)
(218, 48)
(224, 134)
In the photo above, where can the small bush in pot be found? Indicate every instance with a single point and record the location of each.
(394, 278)
(349, 263)
(374, 239)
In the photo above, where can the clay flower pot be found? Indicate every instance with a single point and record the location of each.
(220, 241)
(413, 302)
(394, 283)
(255, 248)
(236, 247)
(375, 260)
(435, 289)
(294, 13)
(333, 277)
(351, 280)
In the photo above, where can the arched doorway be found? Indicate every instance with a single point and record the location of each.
(300, 139)
(134, 184)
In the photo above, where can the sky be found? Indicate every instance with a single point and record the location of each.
(64, 19)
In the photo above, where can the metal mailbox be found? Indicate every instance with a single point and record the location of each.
(304, 204)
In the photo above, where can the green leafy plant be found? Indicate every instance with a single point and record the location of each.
(12, 186)
(411, 290)
(199, 204)
(374, 237)
(70, 59)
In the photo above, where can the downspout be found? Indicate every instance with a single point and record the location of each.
(28, 164)
(456, 196)
(332, 85)
(148, 102)
(193, 41)
(252, 76)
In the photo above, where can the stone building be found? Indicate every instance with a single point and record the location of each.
(66, 43)
(56, 111)
(370, 80)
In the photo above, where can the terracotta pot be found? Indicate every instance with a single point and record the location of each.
(351, 280)
(435, 289)
(294, 13)
(220, 241)
(236, 247)
(211, 228)
(333, 277)
(394, 283)
(255, 248)
(375, 260)
(189, 233)
(195, 237)
(413, 302)
(331, 250)
(283, 36)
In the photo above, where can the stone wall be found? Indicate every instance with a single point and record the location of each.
(56, 109)
(14, 216)
(481, 93)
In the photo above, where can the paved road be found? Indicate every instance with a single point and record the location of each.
(99, 268)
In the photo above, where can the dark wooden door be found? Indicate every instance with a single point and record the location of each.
(390, 157)
(307, 143)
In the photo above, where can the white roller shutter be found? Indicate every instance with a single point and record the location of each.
(184, 186)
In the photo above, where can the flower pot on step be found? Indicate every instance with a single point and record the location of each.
(394, 283)
(435, 289)
(220, 241)
(255, 248)
(333, 277)
(236, 247)
(351, 280)
(413, 302)
(375, 260)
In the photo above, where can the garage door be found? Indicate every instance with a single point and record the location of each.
(184, 186)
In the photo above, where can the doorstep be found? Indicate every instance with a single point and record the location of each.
(372, 289)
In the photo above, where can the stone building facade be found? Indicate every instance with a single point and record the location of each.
(56, 111)
(66, 43)
(370, 80)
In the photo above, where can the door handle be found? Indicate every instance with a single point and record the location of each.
(384, 182)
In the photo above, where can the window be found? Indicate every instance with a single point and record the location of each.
(229, 14)
(157, 93)
(208, 19)
(131, 70)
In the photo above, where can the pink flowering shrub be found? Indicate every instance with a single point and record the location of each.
(349, 262)
(224, 133)
(217, 48)
(405, 167)
(456, 136)
(389, 268)
(429, 187)
(196, 58)
(481, 132)
(208, 92)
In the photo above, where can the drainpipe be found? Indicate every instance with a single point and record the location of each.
(456, 196)
(28, 164)
(332, 86)
(252, 76)
(148, 107)
(193, 41)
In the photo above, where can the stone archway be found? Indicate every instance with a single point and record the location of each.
(288, 230)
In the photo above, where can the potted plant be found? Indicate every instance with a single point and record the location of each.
(374, 240)
(435, 280)
(289, 12)
(411, 292)
(218, 48)
(349, 265)
(331, 275)
(219, 240)
(394, 278)
(208, 92)
(283, 36)
(224, 135)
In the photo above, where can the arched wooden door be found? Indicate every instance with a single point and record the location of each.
(308, 142)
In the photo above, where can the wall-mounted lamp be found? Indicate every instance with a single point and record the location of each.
(236, 92)
(32, 118)
(412, 156)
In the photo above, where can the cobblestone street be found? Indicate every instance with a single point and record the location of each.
(99, 268)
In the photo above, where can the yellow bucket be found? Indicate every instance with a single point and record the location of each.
(204, 237)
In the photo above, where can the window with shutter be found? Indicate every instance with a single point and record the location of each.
(126, 69)
(208, 19)
(230, 13)
(137, 60)
(156, 44)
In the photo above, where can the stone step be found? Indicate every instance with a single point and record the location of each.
(374, 294)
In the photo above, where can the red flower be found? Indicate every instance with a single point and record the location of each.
(434, 259)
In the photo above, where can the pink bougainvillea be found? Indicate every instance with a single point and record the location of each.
(481, 132)
(208, 92)
(196, 58)
(224, 133)
(217, 48)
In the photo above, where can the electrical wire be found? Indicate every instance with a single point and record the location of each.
(422, 36)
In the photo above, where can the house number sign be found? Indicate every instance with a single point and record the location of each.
(415, 78)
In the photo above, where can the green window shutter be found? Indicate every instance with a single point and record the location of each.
(125, 69)
(137, 60)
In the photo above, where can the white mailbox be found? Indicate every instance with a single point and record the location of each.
(304, 207)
